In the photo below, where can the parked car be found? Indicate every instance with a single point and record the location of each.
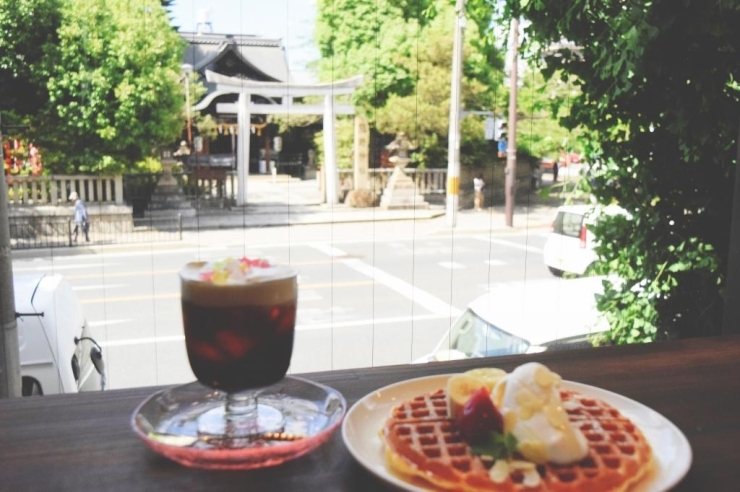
(58, 353)
(530, 317)
(570, 244)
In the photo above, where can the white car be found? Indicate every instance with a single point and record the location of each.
(57, 351)
(570, 244)
(529, 317)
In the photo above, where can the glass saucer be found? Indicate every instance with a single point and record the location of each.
(167, 423)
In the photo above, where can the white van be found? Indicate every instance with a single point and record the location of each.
(528, 317)
(57, 351)
(570, 244)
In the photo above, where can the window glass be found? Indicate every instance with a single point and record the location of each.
(474, 337)
(572, 224)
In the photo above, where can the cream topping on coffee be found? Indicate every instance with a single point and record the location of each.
(233, 282)
(231, 271)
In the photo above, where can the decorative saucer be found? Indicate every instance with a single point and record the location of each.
(167, 423)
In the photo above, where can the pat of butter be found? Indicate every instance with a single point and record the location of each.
(534, 451)
(499, 472)
(528, 403)
(510, 420)
(545, 377)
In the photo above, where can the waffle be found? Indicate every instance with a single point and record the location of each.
(421, 442)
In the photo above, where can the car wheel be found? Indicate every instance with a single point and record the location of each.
(555, 271)
(31, 387)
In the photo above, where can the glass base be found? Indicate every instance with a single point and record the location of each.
(217, 423)
(188, 424)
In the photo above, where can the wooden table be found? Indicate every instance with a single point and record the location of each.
(83, 442)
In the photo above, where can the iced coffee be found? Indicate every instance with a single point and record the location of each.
(239, 321)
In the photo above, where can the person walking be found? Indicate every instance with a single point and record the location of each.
(80, 217)
(478, 185)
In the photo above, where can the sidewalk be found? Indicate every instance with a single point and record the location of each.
(291, 203)
(298, 202)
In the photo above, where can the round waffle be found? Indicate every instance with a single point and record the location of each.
(421, 441)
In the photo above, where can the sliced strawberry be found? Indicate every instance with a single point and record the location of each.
(479, 417)
(205, 351)
(287, 321)
(233, 344)
(255, 263)
(207, 276)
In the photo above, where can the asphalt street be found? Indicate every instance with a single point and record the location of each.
(370, 293)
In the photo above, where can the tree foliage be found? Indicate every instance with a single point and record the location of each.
(425, 111)
(541, 105)
(659, 103)
(368, 38)
(404, 51)
(27, 30)
(97, 82)
(114, 93)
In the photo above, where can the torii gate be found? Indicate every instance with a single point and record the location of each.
(244, 108)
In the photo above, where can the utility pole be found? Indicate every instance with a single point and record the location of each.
(510, 189)
(10, 367)
(453, 145)
(187, 69)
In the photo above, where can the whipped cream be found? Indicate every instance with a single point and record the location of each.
(241, 282)
(529, 400)
(231, 271)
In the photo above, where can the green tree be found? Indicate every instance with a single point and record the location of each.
(659, 101)
(425, 112)
(28, 28)
(404, 51)
(541, 105)
(115, 93)
(367, 38)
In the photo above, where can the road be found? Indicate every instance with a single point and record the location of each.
(370, 294)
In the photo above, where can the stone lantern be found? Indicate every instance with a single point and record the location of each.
(168, 199)
(401, 191)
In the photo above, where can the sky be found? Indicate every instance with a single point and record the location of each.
(290, 20)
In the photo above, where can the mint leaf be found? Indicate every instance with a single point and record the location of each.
(497, 445)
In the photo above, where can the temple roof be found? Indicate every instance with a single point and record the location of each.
(251, 57)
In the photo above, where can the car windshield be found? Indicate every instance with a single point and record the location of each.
(568, 224)
(474, 337)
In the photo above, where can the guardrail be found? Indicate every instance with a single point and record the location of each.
(427, 181)
(209, 188)
(57, 232)
(40, 190)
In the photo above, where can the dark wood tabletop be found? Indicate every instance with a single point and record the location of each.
(84, 443)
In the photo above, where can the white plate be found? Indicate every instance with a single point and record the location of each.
(363, 422)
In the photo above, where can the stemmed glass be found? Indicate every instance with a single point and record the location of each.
(239, 322)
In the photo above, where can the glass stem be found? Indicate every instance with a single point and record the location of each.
(241, 407)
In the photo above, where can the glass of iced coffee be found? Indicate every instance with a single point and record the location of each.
(239, 321)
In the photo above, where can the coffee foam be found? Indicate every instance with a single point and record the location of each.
(263, 286)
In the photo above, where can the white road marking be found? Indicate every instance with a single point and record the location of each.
(317, 326)
(207, 248)
(328, 250)
(52, 267)
(369, 322)
(451, 265)
(423, 298)
(495, 262)
(142, 341)
(309, 295)
(510, 244)
(99, 287)
(123, 254)
(107, 322)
